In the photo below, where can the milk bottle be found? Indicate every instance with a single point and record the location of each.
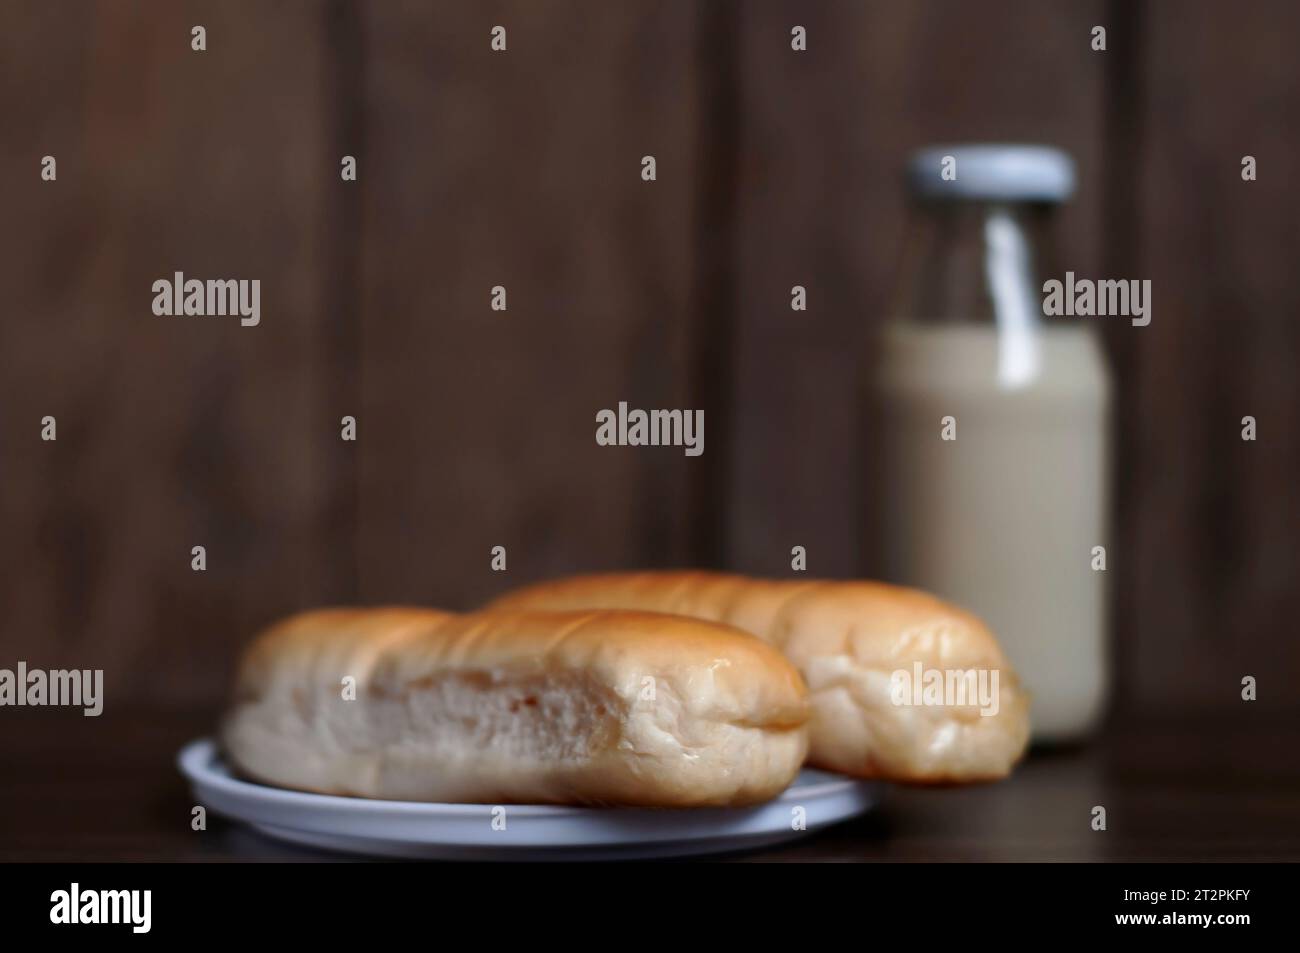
(995, 444)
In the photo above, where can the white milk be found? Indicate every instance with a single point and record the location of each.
(1003, 519)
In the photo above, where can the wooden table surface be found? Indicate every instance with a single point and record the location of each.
(106, 789)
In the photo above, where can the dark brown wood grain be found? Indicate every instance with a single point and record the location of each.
(172, 432)
(1209, 567)
(476, 428)
(522, 169)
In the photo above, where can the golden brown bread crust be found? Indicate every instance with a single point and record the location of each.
(511, 707)
(848, 639)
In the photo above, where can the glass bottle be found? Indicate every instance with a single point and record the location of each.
(995, 424)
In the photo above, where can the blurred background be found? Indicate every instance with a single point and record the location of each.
(522, 169)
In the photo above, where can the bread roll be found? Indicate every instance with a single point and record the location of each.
(588, 707)
(848, 639)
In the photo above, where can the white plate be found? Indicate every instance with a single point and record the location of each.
(465, 831)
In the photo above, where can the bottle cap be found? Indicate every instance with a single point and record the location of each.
(992, 172)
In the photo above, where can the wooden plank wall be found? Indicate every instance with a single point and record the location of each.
(1212, 523)
(522, 169)
(475, 427)
(172, 432)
